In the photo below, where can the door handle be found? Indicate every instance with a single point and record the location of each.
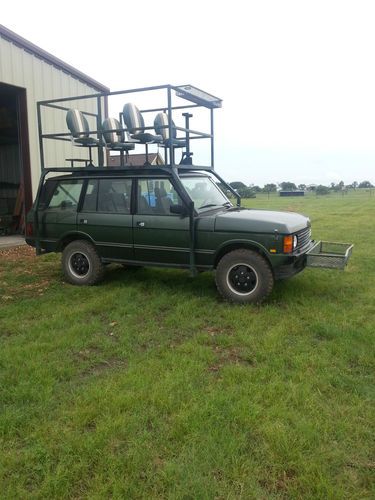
(141, 224)
(83, 221)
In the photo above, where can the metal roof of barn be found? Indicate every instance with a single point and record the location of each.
(19, 41)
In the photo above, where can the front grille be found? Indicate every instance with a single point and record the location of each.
(304, 237)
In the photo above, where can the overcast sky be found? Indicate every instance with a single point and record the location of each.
(297, 78)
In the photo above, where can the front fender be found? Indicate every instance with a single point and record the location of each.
(230, 245)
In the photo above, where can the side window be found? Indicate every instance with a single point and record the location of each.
(155, 196)
(89, 203)
(114, 196)
(66, 194)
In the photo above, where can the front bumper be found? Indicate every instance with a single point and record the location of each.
(294, 266)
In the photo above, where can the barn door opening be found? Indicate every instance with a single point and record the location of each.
(15, 178)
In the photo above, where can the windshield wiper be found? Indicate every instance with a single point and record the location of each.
(208, 205)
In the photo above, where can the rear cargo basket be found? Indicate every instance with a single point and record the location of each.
(329, 255)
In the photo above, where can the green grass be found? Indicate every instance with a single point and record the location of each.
(150, 386)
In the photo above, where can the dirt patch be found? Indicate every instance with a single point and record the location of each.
(285, 479)
(280, 484)
(95, 367)
(213, 331)
(102, 366)
(15, 254)
(22, 274)
(6, 333)
(230, 355)
(33, 289)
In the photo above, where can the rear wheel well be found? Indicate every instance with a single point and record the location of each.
(236, 246)
(69, 238)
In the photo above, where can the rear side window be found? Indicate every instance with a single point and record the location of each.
(66, 194)
(108, 196)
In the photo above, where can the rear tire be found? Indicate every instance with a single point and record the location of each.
(81, 264)
(244, 277)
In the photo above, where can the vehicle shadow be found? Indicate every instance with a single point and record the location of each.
(154, 279)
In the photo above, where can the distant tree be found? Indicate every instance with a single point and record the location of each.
(225, 190)
(353, 185)
(365, 184)
(322, 189)
(256, 189)
(302, 187)
(237, 185)
(311, 187)
(288, 186)
(270, 188)
(246, 192)
(337, 187)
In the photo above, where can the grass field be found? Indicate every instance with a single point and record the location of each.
(150, 386)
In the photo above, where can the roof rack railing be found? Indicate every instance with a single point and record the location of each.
(170, 100)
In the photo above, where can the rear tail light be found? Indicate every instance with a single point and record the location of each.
(29, 229)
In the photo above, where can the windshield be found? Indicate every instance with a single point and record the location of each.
(205, 193)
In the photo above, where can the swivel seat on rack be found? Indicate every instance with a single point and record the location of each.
(80, 130)
(135, 124)
(116, 138)
(169, 140)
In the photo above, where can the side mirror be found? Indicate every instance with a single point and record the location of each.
(179, 210)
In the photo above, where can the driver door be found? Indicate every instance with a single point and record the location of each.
(159, 236)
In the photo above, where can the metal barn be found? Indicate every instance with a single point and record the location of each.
(29, 74)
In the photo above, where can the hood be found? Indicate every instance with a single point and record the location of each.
(260, 221)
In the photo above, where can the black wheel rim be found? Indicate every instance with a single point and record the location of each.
(79, 264)
(242, 279)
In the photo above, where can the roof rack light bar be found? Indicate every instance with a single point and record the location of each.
(198, 96)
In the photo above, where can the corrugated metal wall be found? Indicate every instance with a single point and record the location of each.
(43, 81)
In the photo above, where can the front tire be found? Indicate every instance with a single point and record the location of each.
(244, 277)
(81, 264)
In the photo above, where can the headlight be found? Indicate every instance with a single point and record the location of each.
(295, 242)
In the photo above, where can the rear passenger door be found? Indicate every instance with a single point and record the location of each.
(106, 217)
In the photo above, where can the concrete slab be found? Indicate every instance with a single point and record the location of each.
(12, 241)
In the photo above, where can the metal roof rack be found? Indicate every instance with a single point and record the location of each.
(188, 97)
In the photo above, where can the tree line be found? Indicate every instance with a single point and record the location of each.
(251, 190)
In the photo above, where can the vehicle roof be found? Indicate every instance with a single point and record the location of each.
(122, 172)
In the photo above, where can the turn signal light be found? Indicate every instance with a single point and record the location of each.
(288, 244)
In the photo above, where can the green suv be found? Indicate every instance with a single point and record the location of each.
(140, 217)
